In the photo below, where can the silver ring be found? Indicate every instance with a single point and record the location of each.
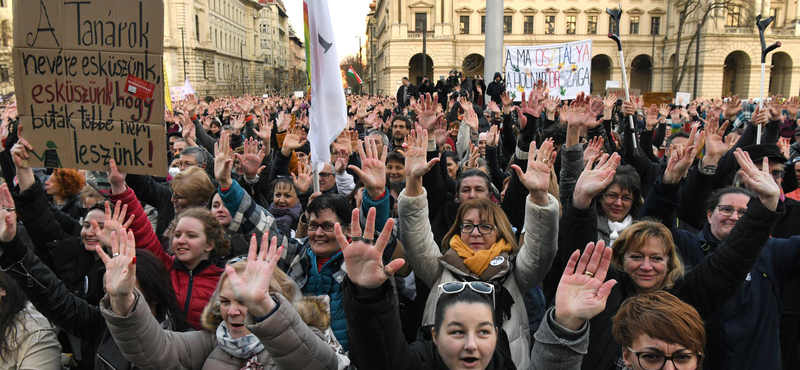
(11, 209)
(268, 261)
(114, 255)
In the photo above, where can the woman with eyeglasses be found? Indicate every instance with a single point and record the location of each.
(646, 259)
(71, 314)
(480, 245)
(659, 331)
(466, 333)
(251, 323)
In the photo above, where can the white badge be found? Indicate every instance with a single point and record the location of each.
(497, 261)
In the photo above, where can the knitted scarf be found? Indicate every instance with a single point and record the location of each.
(478, 262)
(246, 347)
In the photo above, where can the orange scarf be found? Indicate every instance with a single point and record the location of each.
(478, 262)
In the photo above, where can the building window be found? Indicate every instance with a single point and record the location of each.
(483, 24)
(506, 24)
(591, 26)
(734, 18)
(613, 27)
(204, 69)
(420, 21)
(463, 25)
(655, 26)
(635, 25)
(197, 27)
(528, 25)
(571, 24)
(774, 14)
(4, 75)
(549, 25)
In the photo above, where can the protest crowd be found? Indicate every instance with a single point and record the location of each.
(453, 228)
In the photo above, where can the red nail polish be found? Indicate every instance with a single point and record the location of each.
(134, 260)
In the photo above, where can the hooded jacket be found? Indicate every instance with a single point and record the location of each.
(514, 274)
(193, 288)
(496, 89)
(289, 343)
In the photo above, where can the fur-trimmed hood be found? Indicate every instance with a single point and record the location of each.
(314, 310)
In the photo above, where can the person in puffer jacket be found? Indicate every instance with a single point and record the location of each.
(197, 242)
(251, 326)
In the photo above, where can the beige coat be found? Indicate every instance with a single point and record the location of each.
(289, 343)
(531, 265)
(35, 347)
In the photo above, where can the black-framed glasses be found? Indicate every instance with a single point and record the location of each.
(327, 226)
(727, 210)
(175, 196)
(325, 175)
(455, 287)
(656, 361)
(484, 229)
(778, 174)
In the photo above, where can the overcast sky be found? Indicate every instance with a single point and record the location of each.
(349, 19)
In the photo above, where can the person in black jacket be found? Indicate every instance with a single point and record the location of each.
(646, 259)
(405, 92)
(464, 334)
(71, 313)
(496, 88)
(426, 86)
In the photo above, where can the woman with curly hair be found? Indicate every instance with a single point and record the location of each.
(63, 187)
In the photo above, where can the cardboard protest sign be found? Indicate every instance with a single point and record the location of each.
(89, 83)
(565, 68)
(656, 98)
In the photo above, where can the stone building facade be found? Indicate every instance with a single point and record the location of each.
(728, 57)
(6, 66)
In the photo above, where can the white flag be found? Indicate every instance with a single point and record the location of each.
(328, 108)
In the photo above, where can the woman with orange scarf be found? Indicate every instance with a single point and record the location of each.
(481, 243)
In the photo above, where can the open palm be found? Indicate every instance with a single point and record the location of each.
(537, 175)
(582, 292)
(363, 260)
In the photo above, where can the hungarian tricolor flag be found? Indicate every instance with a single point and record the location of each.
(353, 73)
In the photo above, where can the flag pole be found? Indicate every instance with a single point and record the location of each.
(762, 25)
(315, 176)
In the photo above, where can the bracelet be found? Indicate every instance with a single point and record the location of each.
(251, 182)
(710, 169)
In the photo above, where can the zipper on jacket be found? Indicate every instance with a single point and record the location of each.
(188, 295)
(27, 274)
(105, 361)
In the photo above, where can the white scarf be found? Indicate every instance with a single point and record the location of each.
(617, 227)
(245, 347)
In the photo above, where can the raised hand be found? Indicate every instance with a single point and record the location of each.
(628, 108)
(416, 152)
(732, 108)
(537, 176)
(523, 121)
(426, 111)
(792, 105)
(758, 181)
(663, 109)
(531, 105)
(651, 119)
(373, 168)
(506, 99)
(113, 221)
(238, 123)
(364, 261)
(775, 108)
(223, 160)
(715, 147)
(120, 276)
(252, 286)
(8, 215)
(264, 129)
(293, 140)
(465, 104)
(582, 292)
(492, 106)
(784, 144)
(440, 135)
(474, 154)
(493, 136)
(471, 119)
(593, 150)
(116, 178)
(303, 180)
(680, 159)
(283, 121)
(594, 180)
(361, 112)
(550, 105)
(251, 159)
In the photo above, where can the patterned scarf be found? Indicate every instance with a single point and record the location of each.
(246, 347)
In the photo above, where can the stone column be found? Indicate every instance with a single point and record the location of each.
(493, 52)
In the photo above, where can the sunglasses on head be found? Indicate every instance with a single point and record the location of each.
(455, 287)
